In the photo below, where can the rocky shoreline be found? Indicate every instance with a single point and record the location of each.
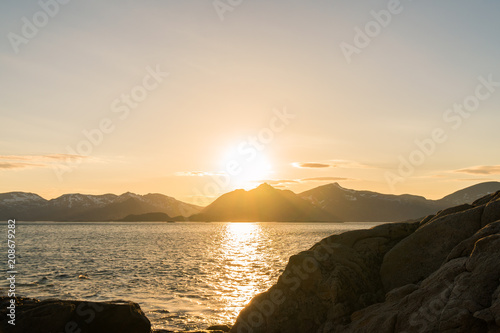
(58, 316)
(440, 274)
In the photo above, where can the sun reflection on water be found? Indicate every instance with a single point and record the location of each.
(239, 258)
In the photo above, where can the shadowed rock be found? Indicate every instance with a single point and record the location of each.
(421, 253)
(36, 316)
(441, 274)
(334, 278)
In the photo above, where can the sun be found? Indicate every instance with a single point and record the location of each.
(247, 172)
(254, 173)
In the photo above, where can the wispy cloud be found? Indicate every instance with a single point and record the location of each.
(433, 176)
(311, 165)
(475, 179)
(49, 157)
(196, 174)
(325, 179)
(284, 182)
(481, 170)
(9, 166)
(12, 162)
(345, 164)
(279, 182)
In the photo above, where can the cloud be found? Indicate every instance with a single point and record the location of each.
(280, 182)
(475, 179)
(10, 166)
(481, 170)
(284, 182)
(434, 176)
(311, 165)
(345, 164)
(11, 162)
(325, 179)
(196, 174)
(49, 157)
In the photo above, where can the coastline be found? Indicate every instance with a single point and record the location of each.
(394, 277)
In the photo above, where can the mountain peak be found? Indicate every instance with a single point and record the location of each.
(336, 185)
(264, 186)
(262, 204)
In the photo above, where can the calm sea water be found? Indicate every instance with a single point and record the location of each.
(184, 275)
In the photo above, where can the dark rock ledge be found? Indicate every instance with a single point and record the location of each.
(58, 316)
(441, 274)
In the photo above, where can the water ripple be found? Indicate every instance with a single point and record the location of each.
(184, 275)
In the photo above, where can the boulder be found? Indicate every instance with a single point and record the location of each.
(491, 212)
(465, 248)
(36, 316)
(223, 328)
(461, 296)
(421, 253)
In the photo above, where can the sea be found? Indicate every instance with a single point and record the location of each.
(184, 275)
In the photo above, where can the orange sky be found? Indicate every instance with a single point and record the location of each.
(180, 99)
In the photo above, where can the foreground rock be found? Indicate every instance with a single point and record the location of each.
(59, 316)
(36, 316)
(211, 329)
(441, 274)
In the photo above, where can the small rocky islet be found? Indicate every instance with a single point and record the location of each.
(439, 274)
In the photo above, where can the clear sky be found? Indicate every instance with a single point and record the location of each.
(195, 98)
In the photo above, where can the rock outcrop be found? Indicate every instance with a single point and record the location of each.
(36, 316)
(441, 274)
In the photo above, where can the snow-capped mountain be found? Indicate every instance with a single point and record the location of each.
(82, 207)
(470, 194)
(21, 198)
(77, 200)
(351, 205)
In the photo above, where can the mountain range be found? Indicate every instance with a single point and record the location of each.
(364, 206)
(332, 203)
(81, 207)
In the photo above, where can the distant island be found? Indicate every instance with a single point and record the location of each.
(327, 203)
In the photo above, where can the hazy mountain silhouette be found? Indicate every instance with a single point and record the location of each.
(470, 194)
(265, 203)
(330, 202)
(80, 207)
(351, 205)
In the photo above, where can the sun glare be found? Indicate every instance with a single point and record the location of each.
(240, 252)
(241, 230)
(247, 172)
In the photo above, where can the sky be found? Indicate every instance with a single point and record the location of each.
(194, 99)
